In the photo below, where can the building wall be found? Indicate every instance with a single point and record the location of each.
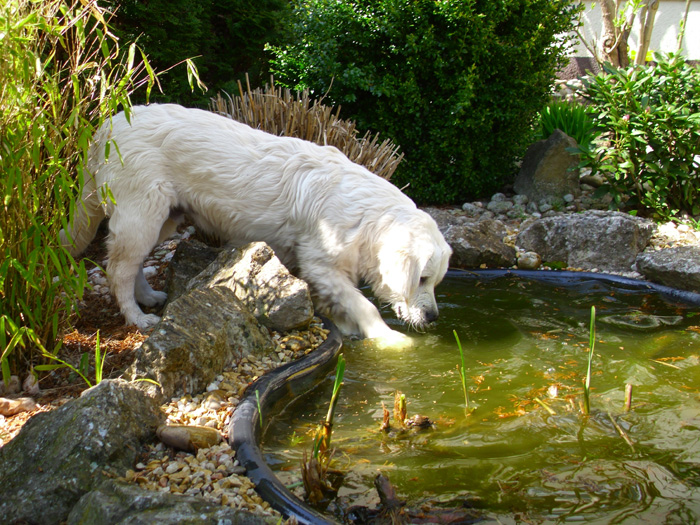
(666, 28)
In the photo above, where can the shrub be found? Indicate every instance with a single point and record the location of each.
(455, 83)
(67, 75)
(225, 38)
(275, 110)
(572, 118)
(649, 120)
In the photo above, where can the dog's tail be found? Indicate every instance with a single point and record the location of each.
(85, 220)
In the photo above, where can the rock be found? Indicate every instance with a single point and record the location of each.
(677, 267)
(549, 171)
(608, 241)
(202, 332)
(60, 455)
(529, 261)
(120, 503)
(10, 407)
(30, 385)
(479, 243)
(12, 387)
(191, 257)
(189, 438)
(260, 281)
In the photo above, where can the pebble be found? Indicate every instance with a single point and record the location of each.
(212, 472)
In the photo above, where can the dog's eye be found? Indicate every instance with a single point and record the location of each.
(423, 280)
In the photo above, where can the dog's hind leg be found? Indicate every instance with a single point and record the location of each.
(146, 295)
(86, 218)
(134, 231)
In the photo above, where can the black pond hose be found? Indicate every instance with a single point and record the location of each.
(573, 278)
(287, 381)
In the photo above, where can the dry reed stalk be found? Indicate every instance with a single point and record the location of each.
(275, 110)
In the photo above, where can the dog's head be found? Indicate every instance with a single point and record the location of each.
(412, 260)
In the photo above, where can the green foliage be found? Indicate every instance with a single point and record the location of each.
(572, 118)
(649, 117)
(227, 37)
(65, 74)
(455, 83)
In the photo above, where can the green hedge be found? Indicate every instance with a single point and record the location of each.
(456, 83)
(225, 38)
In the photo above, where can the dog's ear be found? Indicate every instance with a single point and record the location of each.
(399, 266)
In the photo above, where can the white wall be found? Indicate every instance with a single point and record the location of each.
(666, 28)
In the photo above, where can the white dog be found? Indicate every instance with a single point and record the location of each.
(323, 215)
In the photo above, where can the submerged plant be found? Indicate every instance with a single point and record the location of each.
(591, 346)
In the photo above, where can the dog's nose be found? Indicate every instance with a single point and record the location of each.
(431, 315)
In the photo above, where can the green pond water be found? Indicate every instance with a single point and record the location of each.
(510, 459)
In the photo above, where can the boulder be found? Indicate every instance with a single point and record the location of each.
(677, 267)
(549, 171)
(603, 240)
(474, 242)
(201, 333)
(120, 502)
(190, 258)
(255, 275)
(59, 456)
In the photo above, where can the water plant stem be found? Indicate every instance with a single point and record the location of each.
(628, 397)
(545, 406)
(591, 346)
(462, 372)
(322, 441)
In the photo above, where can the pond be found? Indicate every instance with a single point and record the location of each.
(525, 451)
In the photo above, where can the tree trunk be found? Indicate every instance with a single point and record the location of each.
(684, 21)
(646, 19)
(613, 46)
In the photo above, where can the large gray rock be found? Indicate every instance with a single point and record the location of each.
(677, 267)
(548, 170)
(201, 333)
(276, 298)
(190, 258)
(60, 455)
(474, 242)
(121, 503)
(603, 240)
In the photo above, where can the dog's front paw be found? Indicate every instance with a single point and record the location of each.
(145, 322)
(393, 339)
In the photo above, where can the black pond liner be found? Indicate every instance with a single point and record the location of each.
(296, 378)
(283, 383)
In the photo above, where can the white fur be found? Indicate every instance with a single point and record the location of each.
(324, 216)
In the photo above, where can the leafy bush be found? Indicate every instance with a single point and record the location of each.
(572, 118)
(67, 74)
(649, 117)
(227, 37)
(456, 83)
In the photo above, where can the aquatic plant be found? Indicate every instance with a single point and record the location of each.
(591, 346)
(462, 372)
(322, 441)
(400, 410)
